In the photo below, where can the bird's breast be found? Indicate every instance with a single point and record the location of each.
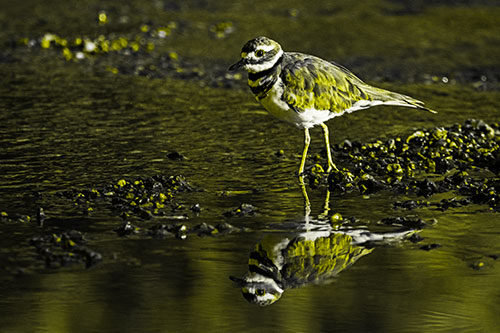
(276, 106)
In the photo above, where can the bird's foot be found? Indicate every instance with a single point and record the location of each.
(343, 175)
(331, 167)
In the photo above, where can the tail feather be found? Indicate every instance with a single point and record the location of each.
(413, 103)
(387, 97)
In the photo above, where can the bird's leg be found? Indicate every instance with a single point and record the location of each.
(307, 203)
(331, 165)
(326, 206)
(307, 140)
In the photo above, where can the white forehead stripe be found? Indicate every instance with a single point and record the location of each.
(266, 48)
(268, 298)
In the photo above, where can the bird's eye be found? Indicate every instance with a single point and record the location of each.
(259, 53)
(260, 292)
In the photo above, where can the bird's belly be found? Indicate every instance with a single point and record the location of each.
(308, 118)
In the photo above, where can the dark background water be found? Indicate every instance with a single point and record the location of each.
(89, 122)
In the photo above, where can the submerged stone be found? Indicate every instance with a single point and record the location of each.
(58, 250)
(429, 247)
(40, 217)
(181, 230)
(241, 211)
(175, 156)
(126, 229)
(477, 265)
(163, 231)
(411, 204)
(409, 222)
(196, 208)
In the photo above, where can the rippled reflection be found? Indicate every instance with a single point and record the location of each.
(314, 253)
(280, 262)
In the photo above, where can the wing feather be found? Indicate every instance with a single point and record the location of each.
(313, 83)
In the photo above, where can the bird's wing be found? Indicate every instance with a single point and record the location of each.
(320, 259)
(313, 83)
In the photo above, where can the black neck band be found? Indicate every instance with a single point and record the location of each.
(256, 76)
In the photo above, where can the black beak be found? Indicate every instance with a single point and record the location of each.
(238, 65)
(239, 282)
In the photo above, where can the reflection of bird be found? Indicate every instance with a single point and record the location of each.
(279, 263)
(307, 91)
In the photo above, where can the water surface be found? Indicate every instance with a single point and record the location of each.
(75, 125)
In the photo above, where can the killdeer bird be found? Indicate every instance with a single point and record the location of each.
(307, 91)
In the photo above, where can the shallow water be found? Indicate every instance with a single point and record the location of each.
(66, 125)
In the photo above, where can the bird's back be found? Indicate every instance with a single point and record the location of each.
(313, 83)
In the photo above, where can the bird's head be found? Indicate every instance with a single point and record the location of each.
(258, 289)
(258, 54)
